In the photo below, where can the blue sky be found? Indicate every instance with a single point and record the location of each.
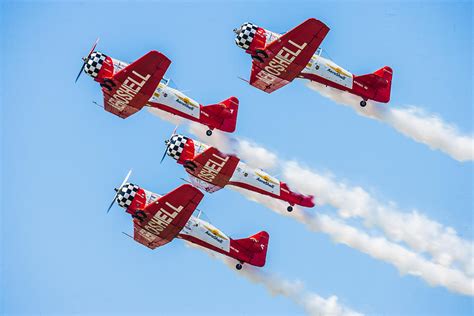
(62, 155)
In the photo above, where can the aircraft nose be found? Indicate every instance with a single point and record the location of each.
(126, 194)
(176, 146)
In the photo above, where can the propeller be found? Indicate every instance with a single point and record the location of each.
(118, 190)
(167, 142)
(86, 59)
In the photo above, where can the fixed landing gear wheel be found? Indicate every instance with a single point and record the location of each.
(363, 103)
(289, 208)
(257, 58)
(238, 266)
(208, 132)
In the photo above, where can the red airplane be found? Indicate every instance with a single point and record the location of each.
(278, 59)
(128, 88)
(211, 170)
(157, 220)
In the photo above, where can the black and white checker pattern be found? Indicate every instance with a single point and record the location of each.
(126, 194)
(94, 63)
(245, 36)
(176, 146)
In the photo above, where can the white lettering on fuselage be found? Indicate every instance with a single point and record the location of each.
(280, 63)
(212, 168)
(127, 91)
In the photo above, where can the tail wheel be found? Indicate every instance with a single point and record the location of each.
(257, 58)
(289, 208)
(238, 266)
(363, 103)
(209, 132)
(261, 53)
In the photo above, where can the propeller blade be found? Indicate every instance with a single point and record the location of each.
(126, 178)
(164, 154)
(86, 59)
(112, 204)
(175, 128)
(80, 72)
(93, 47)
(168, 143)
(118, 190)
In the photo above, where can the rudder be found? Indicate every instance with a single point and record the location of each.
(255, 246)
(223, 116)
(378, 84)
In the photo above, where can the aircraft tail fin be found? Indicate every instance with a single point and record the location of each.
(379, 83)
(222, 116)
(254, 246)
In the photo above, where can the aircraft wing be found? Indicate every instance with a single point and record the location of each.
(135, 84)
(288, 56)
(167, 216)
(212, 166)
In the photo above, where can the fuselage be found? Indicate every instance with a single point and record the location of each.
(215, 175)
(257, 41)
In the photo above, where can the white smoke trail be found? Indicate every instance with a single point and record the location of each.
(253, 154)
(166, 116)
(413, 122)
(312, 303)
(416, 230)
(406, 261)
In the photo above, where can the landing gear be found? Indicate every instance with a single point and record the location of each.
(257, 58)
(363, 103)
(260, 54)
(289, 208)
(208, 132)
(140, 215)
(190, 166)
(238, 266)
(109, 82)
(106, 86)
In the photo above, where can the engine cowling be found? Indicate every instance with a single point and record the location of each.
(99, 66)
(176, 146)
(126, 194)
(245, 35)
